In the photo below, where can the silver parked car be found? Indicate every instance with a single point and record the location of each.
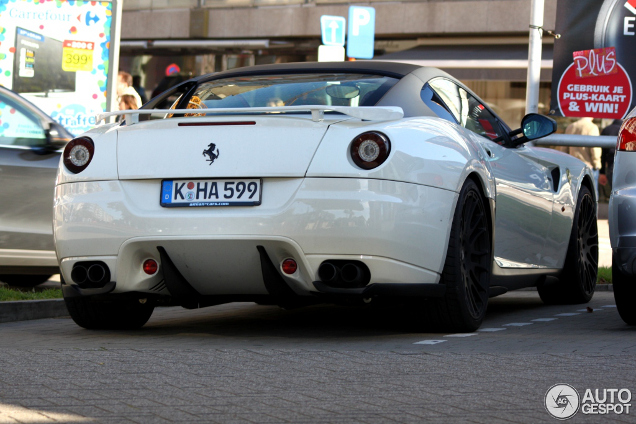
(622, 221)
(30, 147)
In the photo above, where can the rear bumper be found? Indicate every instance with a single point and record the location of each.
(398, 230)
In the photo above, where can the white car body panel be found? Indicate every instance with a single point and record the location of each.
(280, 147)
(317, 204)
(104, 164)
(429, 162)
(319, 216)
(427, 151)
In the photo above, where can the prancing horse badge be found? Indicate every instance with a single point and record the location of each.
(212, 152)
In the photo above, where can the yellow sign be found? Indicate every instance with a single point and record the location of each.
(77, 55)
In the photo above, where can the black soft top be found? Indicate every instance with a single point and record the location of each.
(389, 69)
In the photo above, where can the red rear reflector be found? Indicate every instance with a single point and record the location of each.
(211, 124)
(150, 266)
(627, 136)
(289, 266)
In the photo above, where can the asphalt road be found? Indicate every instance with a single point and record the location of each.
(324, 364)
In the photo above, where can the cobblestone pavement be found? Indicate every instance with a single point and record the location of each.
(244, 363)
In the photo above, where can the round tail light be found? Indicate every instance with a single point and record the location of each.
(370, 149)
(78, 153)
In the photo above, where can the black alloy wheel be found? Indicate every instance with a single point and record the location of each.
(475, 254)
(588, 245)
(577, 281)
(467, 268)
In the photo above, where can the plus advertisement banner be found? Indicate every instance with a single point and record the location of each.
(594, 61)
(55, 54)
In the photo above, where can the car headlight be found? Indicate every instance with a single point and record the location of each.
(370, 149)
(78, 153)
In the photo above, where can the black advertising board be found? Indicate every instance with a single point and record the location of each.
(594, 64)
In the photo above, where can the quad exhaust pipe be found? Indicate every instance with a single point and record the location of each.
(96, 273)
(79, 274)
(344, 274)
(351, 275)
(90, 274)
(328, 272)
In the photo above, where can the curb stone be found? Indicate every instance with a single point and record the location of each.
(22, 310)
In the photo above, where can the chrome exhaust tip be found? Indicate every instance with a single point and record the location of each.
(328, 272)
(351, 274)
(79, 274)
(96, 273)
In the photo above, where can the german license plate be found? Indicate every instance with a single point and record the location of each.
(197, 193)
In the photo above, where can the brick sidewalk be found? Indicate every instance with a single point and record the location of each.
(243, 363)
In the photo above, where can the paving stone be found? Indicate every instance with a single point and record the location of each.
(243, 363)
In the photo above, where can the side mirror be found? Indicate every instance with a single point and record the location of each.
(536, 126)
(56, 136)
(533, 127)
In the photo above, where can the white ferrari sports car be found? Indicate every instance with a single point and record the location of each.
(302, 183)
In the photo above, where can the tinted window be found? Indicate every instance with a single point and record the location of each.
(432, 100)
(333, 89)
(467, 109)
(18, 126)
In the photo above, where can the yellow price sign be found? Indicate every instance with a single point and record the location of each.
(77, 55)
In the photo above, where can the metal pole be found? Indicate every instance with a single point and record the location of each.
(534, 56)
(577, 140)
(113, 57)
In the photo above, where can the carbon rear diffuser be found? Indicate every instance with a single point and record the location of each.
(274, 282)
(177, 285)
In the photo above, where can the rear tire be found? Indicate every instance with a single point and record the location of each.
(467, 268)
(26, 280)
(578, 278)
(624, 294)
(126, 314)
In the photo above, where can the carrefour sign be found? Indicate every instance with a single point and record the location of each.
(45, 15)
(56, 54)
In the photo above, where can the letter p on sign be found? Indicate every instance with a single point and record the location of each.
(361, 32)
(361, 17)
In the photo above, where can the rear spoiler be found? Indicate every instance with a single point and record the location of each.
(367, 113)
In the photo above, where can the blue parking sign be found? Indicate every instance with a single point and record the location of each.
(332, 29)
(361, 32)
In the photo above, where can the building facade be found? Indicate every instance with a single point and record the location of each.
(484, 43)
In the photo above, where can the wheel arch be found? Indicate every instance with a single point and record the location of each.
(486, 190)
(586, 181)
(482, 185)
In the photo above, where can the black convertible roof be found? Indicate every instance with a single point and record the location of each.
(389, 69)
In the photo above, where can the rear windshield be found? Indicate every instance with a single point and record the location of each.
(334, 89)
